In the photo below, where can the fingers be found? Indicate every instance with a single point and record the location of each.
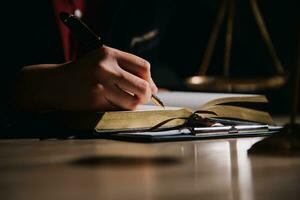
(136, 66)
(99, 101)
(133, 64)
(134, 85)
(126, 79)
(154, 88)
(118, 97)
(138, 89)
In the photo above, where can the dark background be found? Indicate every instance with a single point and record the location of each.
(185, 27)
(188, 31)
(29, 35)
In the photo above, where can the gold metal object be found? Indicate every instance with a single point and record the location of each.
(227, 83)
(221, 83)
(287, 141)
(157, 101)
(284, 143)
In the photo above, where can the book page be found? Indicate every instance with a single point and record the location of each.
(155, 107)
(193, 100)
(141, 119)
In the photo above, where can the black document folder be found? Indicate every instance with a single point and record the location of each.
(185, 134)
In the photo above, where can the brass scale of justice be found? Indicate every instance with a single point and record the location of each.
(287, 141)
(201, 81)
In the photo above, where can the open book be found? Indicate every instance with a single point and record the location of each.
(182, 105)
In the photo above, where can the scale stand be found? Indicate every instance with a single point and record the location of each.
(287, 141)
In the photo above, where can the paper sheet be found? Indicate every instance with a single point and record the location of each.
(193, 100)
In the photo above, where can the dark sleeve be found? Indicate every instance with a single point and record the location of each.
(28, 36)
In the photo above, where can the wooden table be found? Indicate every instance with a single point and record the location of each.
(104, 169)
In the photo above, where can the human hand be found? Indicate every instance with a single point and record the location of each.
(104, 79)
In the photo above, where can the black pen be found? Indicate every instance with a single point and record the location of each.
(89, 39)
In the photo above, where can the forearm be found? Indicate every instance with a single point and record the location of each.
(36, 87)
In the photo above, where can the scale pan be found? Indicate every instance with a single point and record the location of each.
(238, 84)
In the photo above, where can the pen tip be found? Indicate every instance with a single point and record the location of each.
(64, 16)
(157, 101)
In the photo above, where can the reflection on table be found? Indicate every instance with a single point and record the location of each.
(104, 169)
